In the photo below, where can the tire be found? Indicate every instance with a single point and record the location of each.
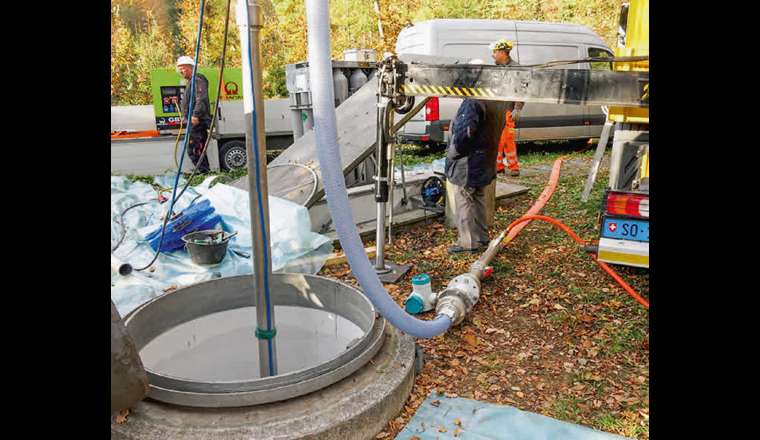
(232, 156)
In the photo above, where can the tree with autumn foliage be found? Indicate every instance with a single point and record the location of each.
(151, 34)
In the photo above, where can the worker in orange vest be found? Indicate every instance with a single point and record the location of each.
(507, 156)
(507, 148)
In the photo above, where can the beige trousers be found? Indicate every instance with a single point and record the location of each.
(472, 223)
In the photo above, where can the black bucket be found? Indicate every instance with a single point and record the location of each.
(207, 247)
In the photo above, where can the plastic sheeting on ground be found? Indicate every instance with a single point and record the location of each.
(460, 418)
(295, 248)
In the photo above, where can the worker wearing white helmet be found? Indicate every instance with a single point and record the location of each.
(507, 148)
(200, 120)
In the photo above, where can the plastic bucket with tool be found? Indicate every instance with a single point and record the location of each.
(207, 247)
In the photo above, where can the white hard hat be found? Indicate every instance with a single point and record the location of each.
(476, 61)
(184, 59)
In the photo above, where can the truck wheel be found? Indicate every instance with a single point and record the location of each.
(232, 156)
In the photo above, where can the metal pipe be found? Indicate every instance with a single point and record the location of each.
(478, 268)
(392, 177)
(380, 266)
(250, 23)
(381, 183)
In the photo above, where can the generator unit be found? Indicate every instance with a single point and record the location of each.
(168, 86)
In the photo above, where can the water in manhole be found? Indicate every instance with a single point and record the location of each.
(221, 346)
(199, 348)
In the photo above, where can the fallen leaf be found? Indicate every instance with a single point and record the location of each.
(122, 417)
(458, 422)
(471, 340)
(441, 429)
(585, 318)
(170, 288)
(391, 288)
(456, 432)
(435, 402)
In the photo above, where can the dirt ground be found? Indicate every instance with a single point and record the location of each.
(552, 333)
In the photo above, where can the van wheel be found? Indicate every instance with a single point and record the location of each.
(232, 156)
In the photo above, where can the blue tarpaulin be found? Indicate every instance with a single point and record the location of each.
(459, 418)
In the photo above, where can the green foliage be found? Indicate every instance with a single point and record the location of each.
(274, 83)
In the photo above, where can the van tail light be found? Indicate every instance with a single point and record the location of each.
(628, 204)
(431, 109)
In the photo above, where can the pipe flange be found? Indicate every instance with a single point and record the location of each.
(454, 301)
(453, 307)
(469, 285)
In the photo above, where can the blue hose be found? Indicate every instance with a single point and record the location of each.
(325, 126)
(187, 137)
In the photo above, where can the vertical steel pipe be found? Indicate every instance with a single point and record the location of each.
(381, 183)
(250, 23)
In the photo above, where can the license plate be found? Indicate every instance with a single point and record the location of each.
(626, 229)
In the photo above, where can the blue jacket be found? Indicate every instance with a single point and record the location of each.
(471, 153)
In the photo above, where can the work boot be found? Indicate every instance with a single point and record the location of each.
(456, 249)
(483, 244)
(514, 173)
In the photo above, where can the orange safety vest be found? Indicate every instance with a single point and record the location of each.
(507, 156)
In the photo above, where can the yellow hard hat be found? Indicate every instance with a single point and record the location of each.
(502, 44)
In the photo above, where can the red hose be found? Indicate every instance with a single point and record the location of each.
(605, 266)
(532, 214)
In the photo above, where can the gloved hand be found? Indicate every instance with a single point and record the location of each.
(516, 114)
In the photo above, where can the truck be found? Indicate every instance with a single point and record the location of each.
(624, 209)
(227, 143)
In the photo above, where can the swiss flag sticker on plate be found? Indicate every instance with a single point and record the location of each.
(612, 227)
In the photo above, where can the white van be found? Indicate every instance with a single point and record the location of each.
(535, 43)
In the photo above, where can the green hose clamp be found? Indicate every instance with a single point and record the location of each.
(266, 335)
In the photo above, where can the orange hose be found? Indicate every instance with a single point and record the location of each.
(542, 199)
(523, 220)
(546, 194)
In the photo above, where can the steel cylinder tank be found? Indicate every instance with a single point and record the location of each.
(357, 79)
(340, 84)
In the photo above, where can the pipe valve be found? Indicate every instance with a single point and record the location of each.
(458, 298)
